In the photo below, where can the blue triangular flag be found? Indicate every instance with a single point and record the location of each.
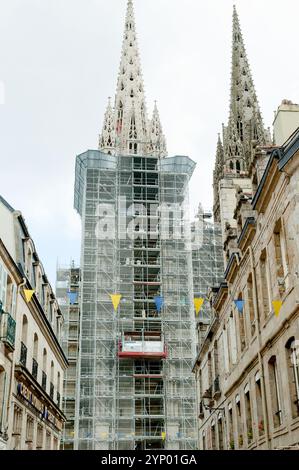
(240, 305)
(159, 302)
(73, 296)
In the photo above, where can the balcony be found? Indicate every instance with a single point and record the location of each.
(8, 330)
(51, 390)
(23, 355)
(34, 368)
(149, 344)
(44, 380)
(216, 388)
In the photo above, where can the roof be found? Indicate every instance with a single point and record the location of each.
(11, 209)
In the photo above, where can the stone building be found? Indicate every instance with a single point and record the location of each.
(32, 363)
(247, 371)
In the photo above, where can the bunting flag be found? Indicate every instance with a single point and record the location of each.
(73, 297)
(240, 305)
(277, 304)
(115, 298)
(28, 294)
(163, 435)
(159, 302)
(198, 303)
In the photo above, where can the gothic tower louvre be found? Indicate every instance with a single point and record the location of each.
(244, 131)
(135, 387)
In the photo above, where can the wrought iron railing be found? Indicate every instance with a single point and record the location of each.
(8, 329)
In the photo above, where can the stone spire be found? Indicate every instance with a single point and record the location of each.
(157, 138)
(107, 138)
(245, 122)
(217, 175)
(131, 124)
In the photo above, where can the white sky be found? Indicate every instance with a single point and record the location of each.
(59, 62)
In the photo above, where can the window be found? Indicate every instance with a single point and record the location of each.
(3, 388)
(249, 305)
(232, 339)
(220, 434)
(231, 427)
(238, 166)
(280, 257)
(239, 421)
(259, 404)
(275, 392)
(242, 332)
(39, 437)
(292, 356)
(264, 285)
(248, 415)
(3, 283)
(213, 435)
(29, 430)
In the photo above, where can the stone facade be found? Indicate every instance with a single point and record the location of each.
(32, 363)
(247, 371)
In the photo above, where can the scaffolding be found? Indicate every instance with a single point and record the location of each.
(207, 263)
(135, 387)
(67, 281)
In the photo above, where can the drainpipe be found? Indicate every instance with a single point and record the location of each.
(261, 365)
(12, 370)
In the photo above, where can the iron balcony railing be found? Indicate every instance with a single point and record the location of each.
(23, 355)
(44, 380)
(7, 329)
(34, 368)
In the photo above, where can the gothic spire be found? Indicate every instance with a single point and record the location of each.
(217, 175)
(157, 138)
(107, 138)
(245, 121)
(131, 124)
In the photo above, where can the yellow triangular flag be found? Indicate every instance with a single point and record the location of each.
(28, 294)
(163, 435)
(277, 304)
(198, 302)
(115, 300)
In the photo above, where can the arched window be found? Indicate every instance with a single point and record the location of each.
(52, 371)
(24, 329)
(238, 167)
(45, 360)
(275, 391)
(231, 165)
(292, 357)
(44, 372)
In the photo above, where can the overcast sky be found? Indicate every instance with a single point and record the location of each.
(59, 62)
